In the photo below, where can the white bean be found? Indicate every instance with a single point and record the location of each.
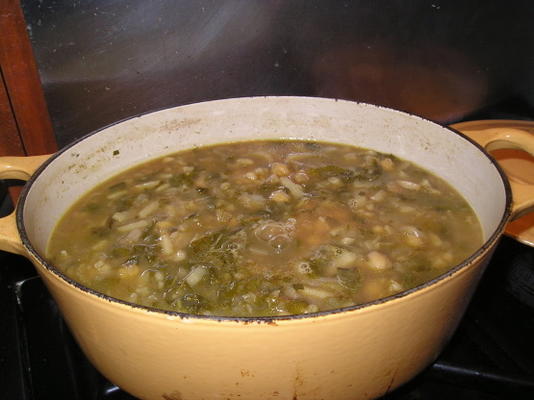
(412, 236)
(180, 255)
(378, 261)
(279, 196)
(379, 196)
(301, 177)
(166, 245)
(347, 241)
(195, 276)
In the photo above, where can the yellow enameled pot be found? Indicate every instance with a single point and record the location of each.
(359, 352)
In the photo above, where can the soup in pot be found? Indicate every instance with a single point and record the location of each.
(265, 228)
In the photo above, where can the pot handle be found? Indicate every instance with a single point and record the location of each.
(20, 168)
(509, 138)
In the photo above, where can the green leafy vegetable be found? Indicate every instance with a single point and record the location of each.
(349, 278)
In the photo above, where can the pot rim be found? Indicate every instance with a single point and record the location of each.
(488, 243)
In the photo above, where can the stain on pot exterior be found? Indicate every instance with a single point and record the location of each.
(172, 396)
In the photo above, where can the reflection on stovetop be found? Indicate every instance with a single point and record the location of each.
(491, 356)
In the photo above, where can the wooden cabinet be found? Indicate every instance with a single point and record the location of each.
(25, 126)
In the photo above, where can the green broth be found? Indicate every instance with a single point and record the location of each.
(265, 228)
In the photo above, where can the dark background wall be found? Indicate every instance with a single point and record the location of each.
(105, 60)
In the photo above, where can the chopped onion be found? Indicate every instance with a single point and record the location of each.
(315, 292)
(121, 216)
(132, 226)
(294, 189)
(409, 185)
(134, 235)
(147, 185)
(148, 209)
(116, 195)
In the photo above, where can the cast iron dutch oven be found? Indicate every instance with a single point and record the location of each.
(357, 352)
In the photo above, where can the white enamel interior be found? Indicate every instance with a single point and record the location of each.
(92, 160)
